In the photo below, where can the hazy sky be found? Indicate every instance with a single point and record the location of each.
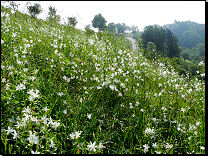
(138, 13)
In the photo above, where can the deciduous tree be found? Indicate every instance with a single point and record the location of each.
(34, 10)
(99, 22)
(72, 21)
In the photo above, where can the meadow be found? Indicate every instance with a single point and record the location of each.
(65, 92)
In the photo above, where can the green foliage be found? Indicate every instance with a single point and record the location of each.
(66, 92)
(88, 30)
(34, 10)
(151, 48)
(53, 18)
(99, 22)
(164, 40)
(184, 55)
(189, 33)
(72, 21)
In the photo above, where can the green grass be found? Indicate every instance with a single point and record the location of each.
(63, 90)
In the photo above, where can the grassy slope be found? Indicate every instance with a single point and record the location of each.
(127, 96)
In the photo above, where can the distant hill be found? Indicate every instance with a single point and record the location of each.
(189, 33)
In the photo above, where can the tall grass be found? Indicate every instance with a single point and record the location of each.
(65, 92)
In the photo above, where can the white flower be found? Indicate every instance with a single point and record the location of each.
(60, 93)
(98, 87)
(64, 77)
(20, 86)
(35, 71)
(10, 130)
(168, 146)
(131, 105)
(75, 135)
(19, 62)
(91, 147)
(32, 152)
(189, 91)
(157, 152)
(72, 136)
(65, 111)
(52, 143)
(55, 125)
(149, 131)
(146, 148)
(137, 103)
(50, 121)
(27, 110)
(100, 146)
(32, 78)
(202, 75)
(198, 123)
(89, 116)
(44, 119)
(15, 134)
(178, 128)
(122, 85)
(33, 95)
(3, 80)
(33, 139)
(202, 147)
(18, 124)
(200, 63)
(176, 86)
(45, 109)
(35, 119)
(183, 110)
(25, 69)
(154, 145)
(2, 41)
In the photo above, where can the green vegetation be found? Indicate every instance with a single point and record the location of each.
(34, 10)
(99, 22)
(185, 60)
(65, 91)
(52, 17)
(189, 33)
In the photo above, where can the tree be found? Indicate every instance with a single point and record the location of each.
(185, 55)
(171, 44)
(165, 41)
(34, 10)
(111, 27)
(99, 22)
(88, 30)
(52, 15)
(72, 21)
(151, 48)
(185, 37)
(147, 35)
(201, 49)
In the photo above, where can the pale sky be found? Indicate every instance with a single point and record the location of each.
(137, 13)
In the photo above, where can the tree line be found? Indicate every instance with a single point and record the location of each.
(166, 43)
(189, 33)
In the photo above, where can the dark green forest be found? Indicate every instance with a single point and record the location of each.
(189, 33)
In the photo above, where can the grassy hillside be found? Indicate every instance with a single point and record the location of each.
(66, 92)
